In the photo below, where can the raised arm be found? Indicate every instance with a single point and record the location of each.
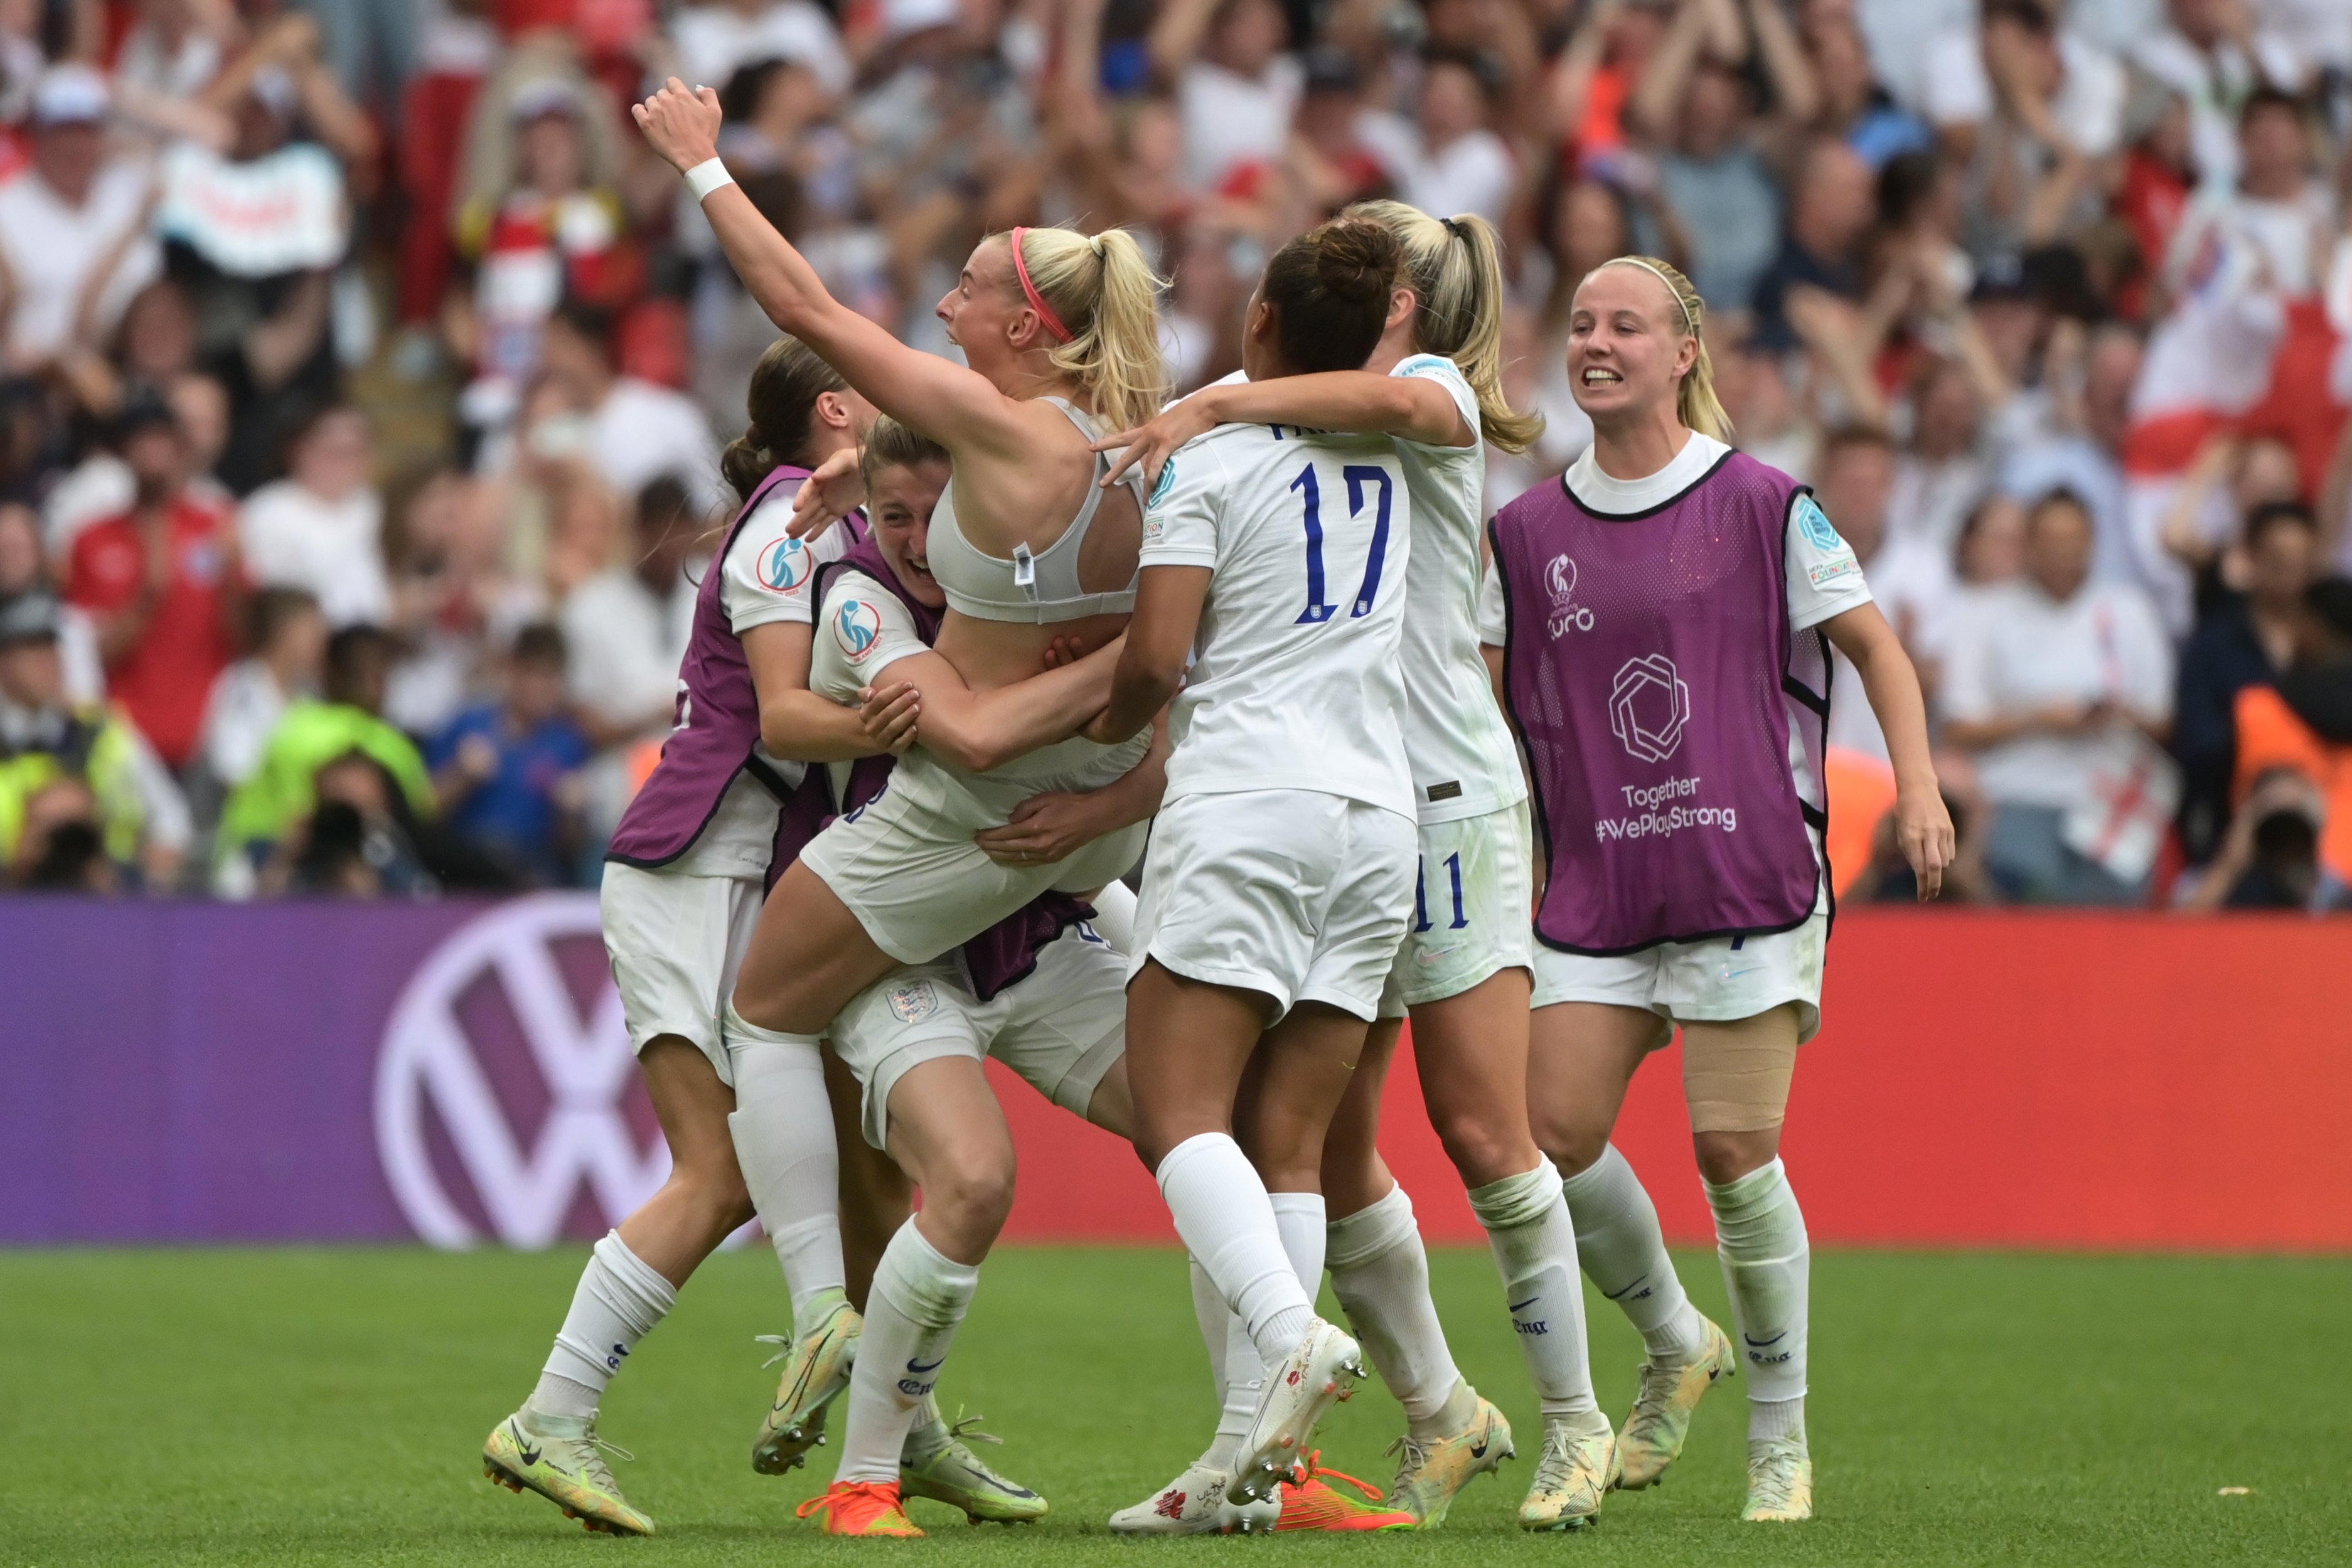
(948, 402)
(1413, 408)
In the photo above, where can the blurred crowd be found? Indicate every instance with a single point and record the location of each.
(363, 379)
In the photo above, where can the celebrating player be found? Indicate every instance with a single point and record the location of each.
(1279, 879)
(1058, 330)
(1667, 611)
(1435, 385)
(681, 890)
(1040, 989)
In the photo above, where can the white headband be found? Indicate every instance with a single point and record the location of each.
(1689, 325)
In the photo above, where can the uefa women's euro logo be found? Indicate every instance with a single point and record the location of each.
(784, 565)
(858, 628)
(1566, 615)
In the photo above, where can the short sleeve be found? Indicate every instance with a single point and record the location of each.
(1825, 574)
(1447, 374)
(1494, 625)
(865, 629)
(1179, 520)
(768, 575)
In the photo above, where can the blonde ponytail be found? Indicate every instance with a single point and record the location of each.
(1106, 294)
(1454, 268)
(1696, 403)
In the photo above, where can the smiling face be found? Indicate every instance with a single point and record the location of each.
(1627, 349)
(901, 504)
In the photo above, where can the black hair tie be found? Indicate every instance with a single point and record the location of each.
(1453, 228)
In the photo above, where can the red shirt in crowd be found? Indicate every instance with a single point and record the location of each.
(165, 678)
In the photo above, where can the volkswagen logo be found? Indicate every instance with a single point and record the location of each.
(494, 1007)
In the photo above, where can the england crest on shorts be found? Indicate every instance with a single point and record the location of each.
(914, 1001)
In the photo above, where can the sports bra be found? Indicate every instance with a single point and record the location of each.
(1042, 586)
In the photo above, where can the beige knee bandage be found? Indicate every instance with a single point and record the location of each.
(1738, 1080)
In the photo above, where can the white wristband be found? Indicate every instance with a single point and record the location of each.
(706, 177)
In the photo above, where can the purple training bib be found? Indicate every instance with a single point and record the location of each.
(717, 720)
(1652, 669)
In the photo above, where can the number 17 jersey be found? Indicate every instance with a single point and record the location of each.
(1295, 681)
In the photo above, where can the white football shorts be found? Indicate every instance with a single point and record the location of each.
(1060, 1028)
(1470, 909)
(906, 866)
(1302, 895)
(1716, 981)
(676, 941)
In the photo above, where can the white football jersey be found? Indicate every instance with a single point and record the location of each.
(1296, 682)
(1464, 761)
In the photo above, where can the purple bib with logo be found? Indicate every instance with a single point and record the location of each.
(1652, 669)
(717, 720)
(1006, 952)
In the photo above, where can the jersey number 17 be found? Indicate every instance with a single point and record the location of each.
(1357, 476)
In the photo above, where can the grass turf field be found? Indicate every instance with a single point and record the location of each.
(327, 1406)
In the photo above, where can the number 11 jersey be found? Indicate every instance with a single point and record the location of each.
(1295, 681)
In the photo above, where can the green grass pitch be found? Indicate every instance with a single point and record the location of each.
(327, 1406)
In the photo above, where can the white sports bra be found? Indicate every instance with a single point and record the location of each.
(1041, 588)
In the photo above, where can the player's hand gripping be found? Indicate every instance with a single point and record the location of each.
(1923, 829)
(681, 123)
(1152, 445)
(835, 488)
(888, 716)
(1046, 828)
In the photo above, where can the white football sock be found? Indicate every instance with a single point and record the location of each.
(1379, 1272)
(1211, 1314)
(1298, 1217)
(919, 1296)
(620, 1299)
(1224, 1216)
(1623, 1253)
(1534, 1243)
(1760, 1235)
(782, 1124)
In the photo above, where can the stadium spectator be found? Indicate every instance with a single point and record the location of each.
(2250, 638)
(353, 841)
(320, 528)
(74, 246)
(264, 812)
(1830, 212)
(1236, 85)
(250, 699)
(24, 569)
(626, 626)
(544, 224)
(2269, 857)
(63, 764)
(2057, 684)
(637, 432)
(162, 583)
(505, 772)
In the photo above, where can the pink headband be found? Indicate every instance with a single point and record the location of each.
(1036, 301)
